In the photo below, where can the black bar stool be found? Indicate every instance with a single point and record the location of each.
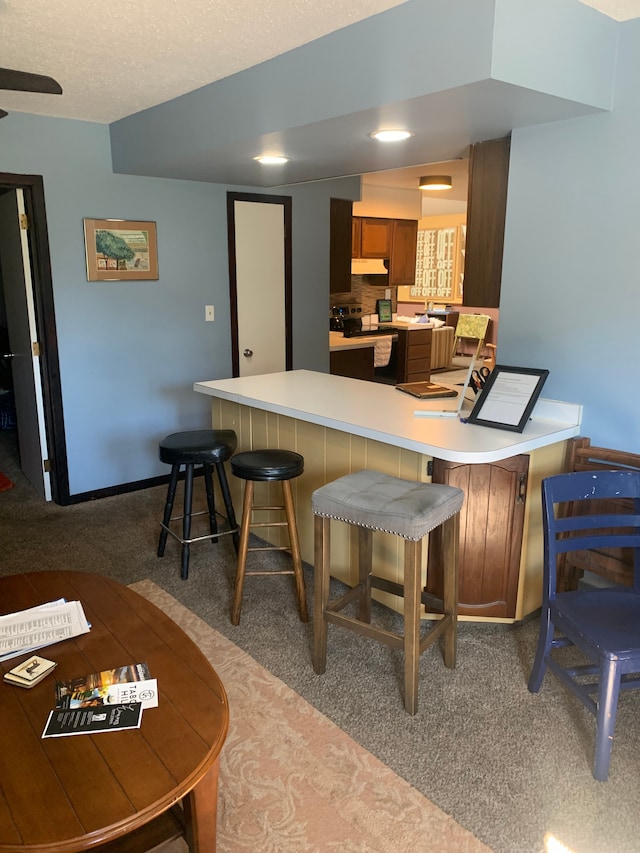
(268, 466)
(209, 448)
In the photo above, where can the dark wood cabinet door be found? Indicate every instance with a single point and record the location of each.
(402, 269)
(491, 524)
(486, 211)
(340, 245)
(377, 236)
(414, 355)
(355, 363)
(356, 236)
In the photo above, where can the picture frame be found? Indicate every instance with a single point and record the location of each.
(120, 250)
(384, 310)
(508, 397)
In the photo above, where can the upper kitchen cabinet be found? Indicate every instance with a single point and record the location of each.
(395, 239)
(372, 237)
(486, 212)
(340, 245)
(402, 261)
(356, 236)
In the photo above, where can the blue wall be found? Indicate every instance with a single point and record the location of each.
(131, 351)
(571, 275)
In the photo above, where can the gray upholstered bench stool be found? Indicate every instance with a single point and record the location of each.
(268, 466)
(373, 501)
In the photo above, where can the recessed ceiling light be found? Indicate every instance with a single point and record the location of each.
(391, 135)
(272, 161)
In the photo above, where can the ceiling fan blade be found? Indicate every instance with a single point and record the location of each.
(3, 113)
(24, 81)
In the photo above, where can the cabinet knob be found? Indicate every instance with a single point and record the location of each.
(247, 353)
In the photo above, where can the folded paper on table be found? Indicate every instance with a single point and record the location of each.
(27, 630)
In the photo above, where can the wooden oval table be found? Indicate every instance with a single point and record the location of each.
(118, 791)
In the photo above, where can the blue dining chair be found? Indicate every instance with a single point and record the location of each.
(604, 624)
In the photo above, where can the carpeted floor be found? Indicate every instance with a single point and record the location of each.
(510, 767)
(291, 780)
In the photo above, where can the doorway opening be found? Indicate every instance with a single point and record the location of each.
(46, 376)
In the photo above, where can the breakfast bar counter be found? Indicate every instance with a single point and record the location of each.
(342, 425)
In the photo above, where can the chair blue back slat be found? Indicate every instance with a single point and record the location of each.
(611, 530)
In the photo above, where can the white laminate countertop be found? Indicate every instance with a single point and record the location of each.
(382, 413)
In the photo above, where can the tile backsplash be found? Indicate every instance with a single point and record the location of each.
(364, 293)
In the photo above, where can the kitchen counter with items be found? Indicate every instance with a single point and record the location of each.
(420, 348)
(342, 425)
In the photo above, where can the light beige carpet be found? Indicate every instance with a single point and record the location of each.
(292, 781)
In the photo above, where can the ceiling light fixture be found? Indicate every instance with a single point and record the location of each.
(435, 182)
(391, 135)
(268, 160)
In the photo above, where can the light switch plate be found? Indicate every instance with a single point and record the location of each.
(209, 314)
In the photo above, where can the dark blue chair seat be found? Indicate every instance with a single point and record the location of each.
(604, 624)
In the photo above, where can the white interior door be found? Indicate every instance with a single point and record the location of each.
(21, 323)
(260, 287)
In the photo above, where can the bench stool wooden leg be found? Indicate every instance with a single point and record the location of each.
(322, 548)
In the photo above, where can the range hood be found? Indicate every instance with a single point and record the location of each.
(369, 266)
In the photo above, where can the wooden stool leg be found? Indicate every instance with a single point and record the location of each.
(186, 519)
(321, 548)
(451, 536)
(412, 553)
(365, 561)
(168, 508)
(295, 550)
(242, 551)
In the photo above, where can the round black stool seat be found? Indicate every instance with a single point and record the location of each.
(197, 447)
(267, 465)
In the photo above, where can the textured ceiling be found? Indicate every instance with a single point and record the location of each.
(115, 60)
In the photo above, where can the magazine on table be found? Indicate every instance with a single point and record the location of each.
(62, 722)
(121, 685)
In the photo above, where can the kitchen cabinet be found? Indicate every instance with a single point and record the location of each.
(371, 237)
(413, 355)
(356, 236)
(491, 528)
(402, 261)
(395, 239)
(356, 363)
(340, 211)
(486, 213)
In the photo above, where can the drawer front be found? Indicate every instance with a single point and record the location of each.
(419, 336)
(421, 351)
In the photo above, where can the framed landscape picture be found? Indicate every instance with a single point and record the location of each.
(120, 250)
